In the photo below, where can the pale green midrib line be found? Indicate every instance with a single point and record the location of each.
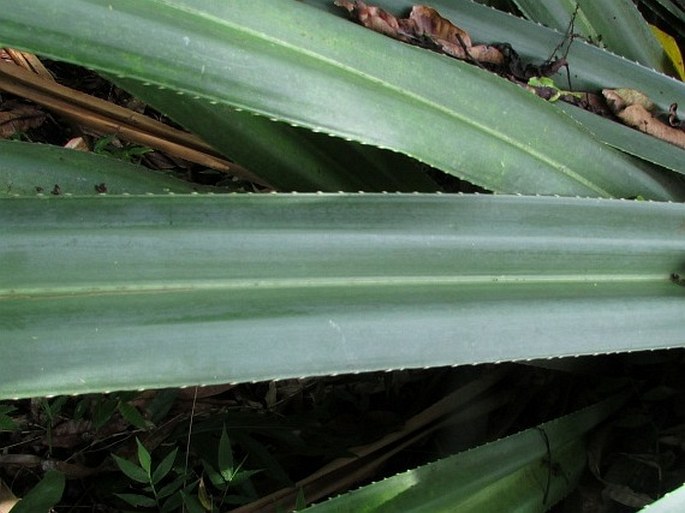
(322, 283)
(402, 92)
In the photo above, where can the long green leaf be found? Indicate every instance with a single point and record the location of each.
(294, 63)
(27, 169)
(526, 472)
(124, 292)
(614, 24)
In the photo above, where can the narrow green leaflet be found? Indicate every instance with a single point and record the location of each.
(225, 457)
(136, 500)
(301, 65)
(527, 472)
(131, 470)
(164, 467)
(144, 458)
(28, 169)
(131, 414)
(614, 24)
(109, 293)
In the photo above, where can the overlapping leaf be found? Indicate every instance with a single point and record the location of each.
(289, 158)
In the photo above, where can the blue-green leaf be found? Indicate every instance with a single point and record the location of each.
(282, 286)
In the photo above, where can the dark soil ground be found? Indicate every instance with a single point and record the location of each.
(285, 431)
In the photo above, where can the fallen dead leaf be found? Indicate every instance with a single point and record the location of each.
(16, 118)
(77, 143)
(68, 434)
(374, 18)
(7, 498)
(424, 27)
(621, 98)
(633, 108)
(425, 21)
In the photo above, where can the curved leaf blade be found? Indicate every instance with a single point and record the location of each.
(289, 158)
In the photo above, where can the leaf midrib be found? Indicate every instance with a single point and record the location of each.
(154, 287)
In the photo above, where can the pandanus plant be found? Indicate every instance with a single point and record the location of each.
(359, 262)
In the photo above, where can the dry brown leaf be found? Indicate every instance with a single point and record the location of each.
(4, 56)
(29, 62)
(107, 118)
(7, 498)
(68, 434)
(424, 27)
(425, 21)
(486, 54)
(631, 107)
(70, 470)
(77, 143)
(622, 97)
(16, 118)
(374, 18)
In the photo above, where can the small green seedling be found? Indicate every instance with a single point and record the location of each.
(548, 83)
(131, 153)
(226, 475)
(163, 498)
